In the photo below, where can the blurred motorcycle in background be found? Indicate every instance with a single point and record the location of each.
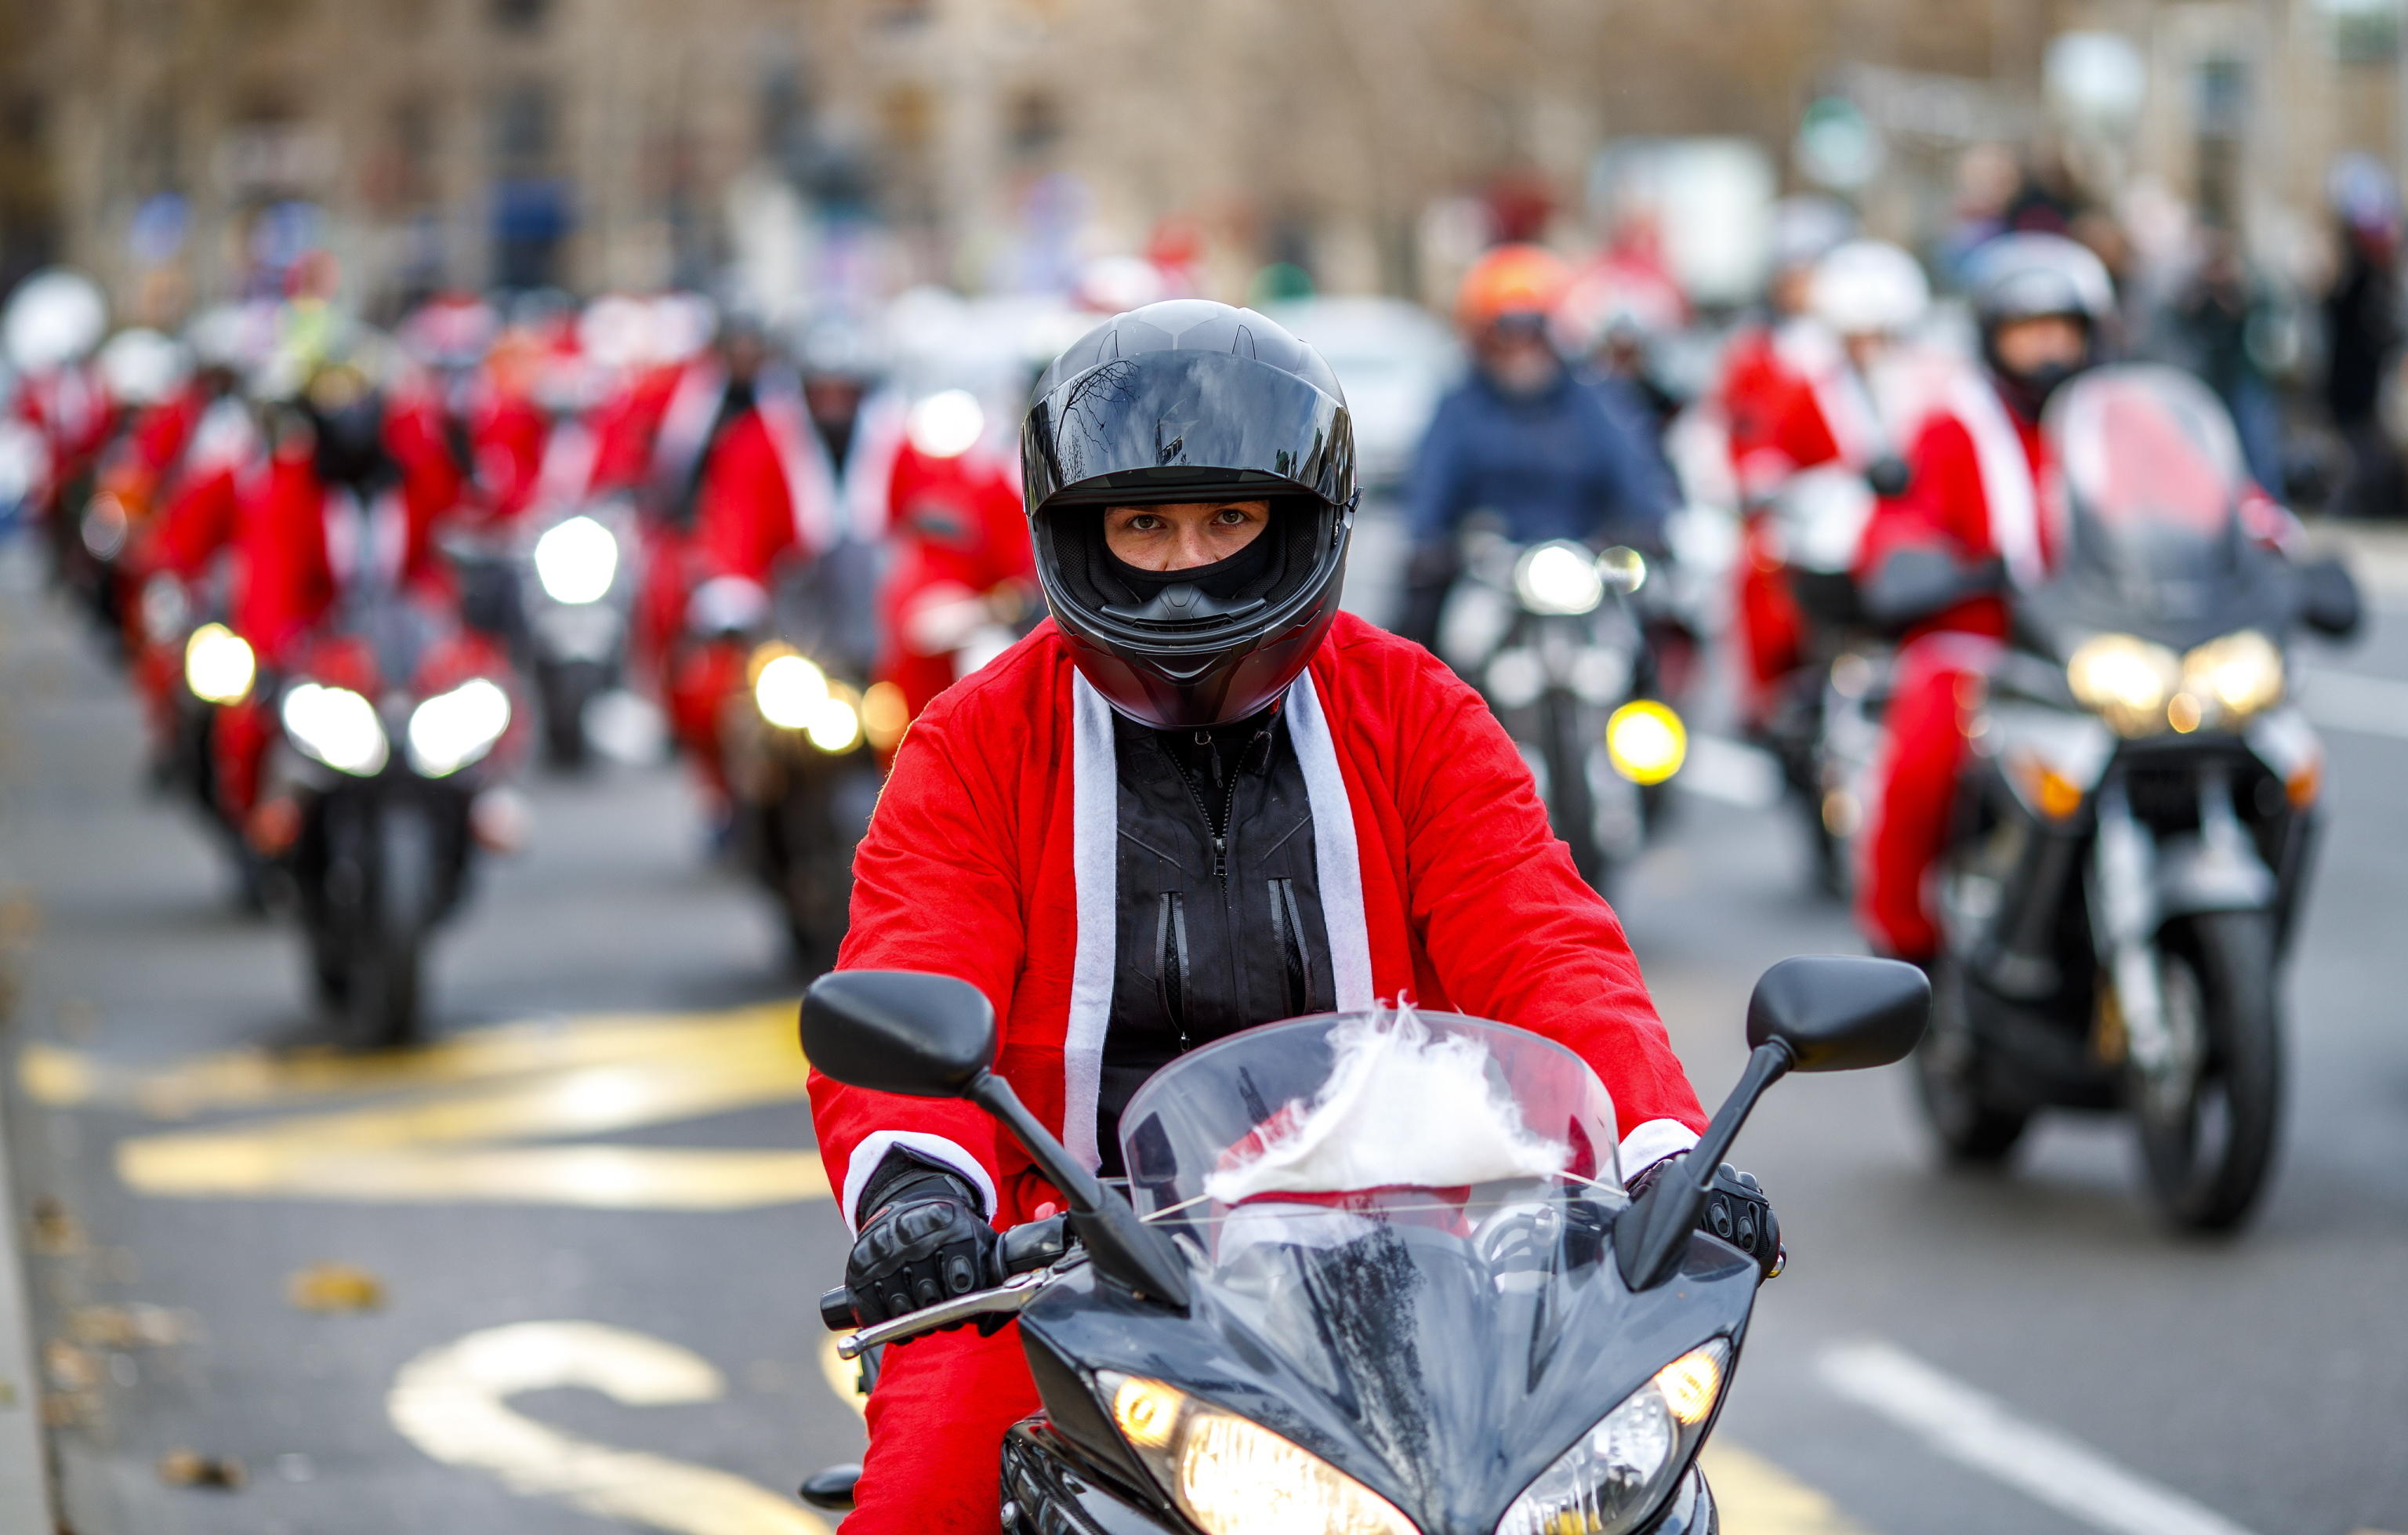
(802, 743)
(1553, 636)
(2132, 842)
(396, 734)
(1825, 723)
(577, 595)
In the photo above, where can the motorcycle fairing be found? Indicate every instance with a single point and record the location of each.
(1393, 1358)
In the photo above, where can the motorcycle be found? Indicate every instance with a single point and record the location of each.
(579, 593)
(1826, 722)
(1554, 640)
(802, 743)
(190, 667)
(1249, 1333)
(2131, 845)
(396, 731)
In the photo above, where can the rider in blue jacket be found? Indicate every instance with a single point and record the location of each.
(1552, 451)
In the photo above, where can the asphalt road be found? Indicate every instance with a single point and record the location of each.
(556, 1274)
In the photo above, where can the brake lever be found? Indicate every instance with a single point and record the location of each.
(1005, 1300)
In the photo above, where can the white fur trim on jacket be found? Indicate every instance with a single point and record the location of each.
(1650, 1143)
(936, 1148)
(2008, 492)
(1336, 864)
(1094, 865)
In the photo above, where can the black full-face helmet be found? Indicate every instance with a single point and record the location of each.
(1190, 400)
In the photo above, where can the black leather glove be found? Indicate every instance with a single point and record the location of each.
(922, 1241)
(1736, 1211)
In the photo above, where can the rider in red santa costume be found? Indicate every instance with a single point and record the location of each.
(1198, 799)
(1941, 559)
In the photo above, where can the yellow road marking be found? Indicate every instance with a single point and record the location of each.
(449, 1118)
(245, 1078)
(1757, 1498)
(454, 1403)
(592, 1177)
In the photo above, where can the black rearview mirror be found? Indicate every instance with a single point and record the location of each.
(2328, 600)
(898, 1031)
(1836, 1013)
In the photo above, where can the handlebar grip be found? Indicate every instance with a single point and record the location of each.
(836, 1311)
(1034, 1244)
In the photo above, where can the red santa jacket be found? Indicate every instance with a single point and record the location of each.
(1974, 491)
(991, 858)
(958, 534)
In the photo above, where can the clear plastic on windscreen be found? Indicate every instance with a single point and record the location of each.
(2152, 473)
(1341, 1104)
(1392, 1202)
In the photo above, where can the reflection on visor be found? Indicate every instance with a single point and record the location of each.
(1223, 419)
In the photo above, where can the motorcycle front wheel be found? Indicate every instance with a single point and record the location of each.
(2206, 1146)
(1973, 1129)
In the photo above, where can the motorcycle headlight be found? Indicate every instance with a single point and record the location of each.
(1646, 742)
(1612, 1480)
(1558, 577)
(219, 667)
(575, 560)
(2128, 680)
(454, 729)
(791, 693)
(336, 726)
(1231, 1475)
(2241, 673)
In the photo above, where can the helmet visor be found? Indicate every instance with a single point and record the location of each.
(1185, 426)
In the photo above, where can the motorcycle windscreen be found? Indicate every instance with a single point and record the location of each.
(1411, 1214)
(2151, 481)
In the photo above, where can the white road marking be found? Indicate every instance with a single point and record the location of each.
(454, 1403)
(1978, 1431)
(2348, 700)
(1732, 772)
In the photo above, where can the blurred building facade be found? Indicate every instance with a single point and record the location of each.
(177, 147)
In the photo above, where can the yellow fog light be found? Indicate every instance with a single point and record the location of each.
(1147, 1412)
(218, 666)
(1690, 1384)
(1646, 742)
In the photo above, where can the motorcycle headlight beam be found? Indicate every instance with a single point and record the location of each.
(218, 666)
(1615, 1477)
(2128, 680)
(2240, 673)
(575, 560)
(338, 726)
(1558, 577)
(1231, 1476)
(453, 729)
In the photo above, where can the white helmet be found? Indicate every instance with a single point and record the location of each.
(56, 316)
(140, 366)
(1867, 288)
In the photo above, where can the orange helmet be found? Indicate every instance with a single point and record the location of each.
(1511, 280)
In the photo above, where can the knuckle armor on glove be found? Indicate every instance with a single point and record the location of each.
(926, 1242)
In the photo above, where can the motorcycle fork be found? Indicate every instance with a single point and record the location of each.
(2124, 917)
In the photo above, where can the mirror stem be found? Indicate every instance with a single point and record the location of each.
(1121, 1246)
(1651, 1235)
